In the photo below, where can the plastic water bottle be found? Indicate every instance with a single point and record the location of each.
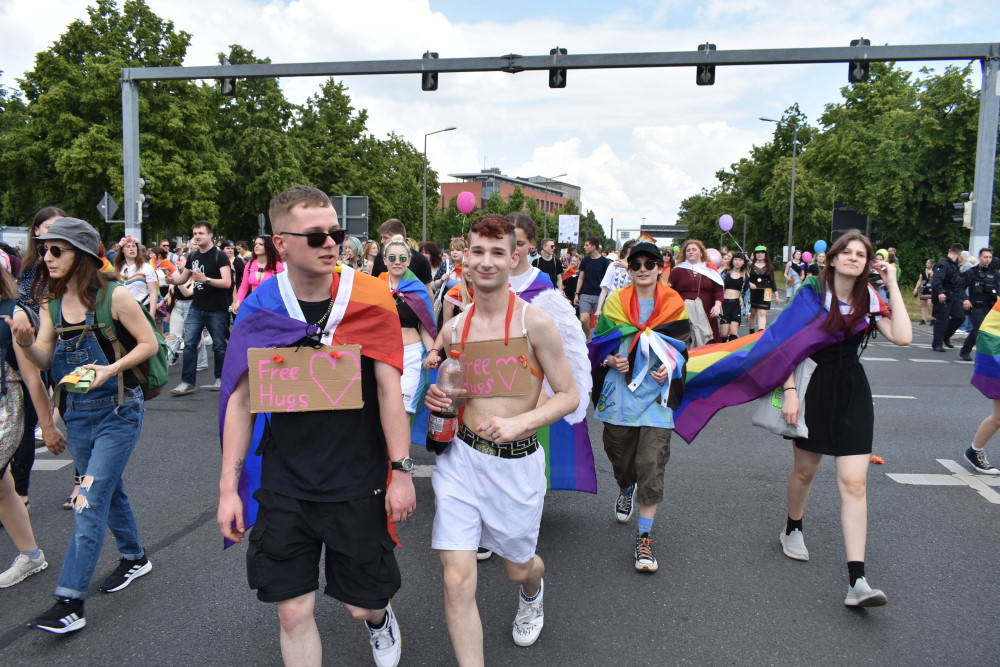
(443, 425)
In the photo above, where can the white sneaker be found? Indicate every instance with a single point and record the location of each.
(22, 568)
(482, 553)
(387, 643)
(863, 595)
(794, 545)
(529, 619)
(215, 386)
(183, 389)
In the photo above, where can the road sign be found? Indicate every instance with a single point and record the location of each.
(107, 206)
(671, 231)
(352, 212)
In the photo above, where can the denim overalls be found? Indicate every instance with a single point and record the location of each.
(101, 436)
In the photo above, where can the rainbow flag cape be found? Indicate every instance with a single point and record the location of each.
(986, 374)
(270, 317)
(416, 296)
(727, 374)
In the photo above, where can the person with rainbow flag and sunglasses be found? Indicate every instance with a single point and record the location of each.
(638, 356)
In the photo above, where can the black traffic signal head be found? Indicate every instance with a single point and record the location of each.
(429, 80)
(227, 86)
(557, 77)
(857, 71)
(147, 205)
(705, 74)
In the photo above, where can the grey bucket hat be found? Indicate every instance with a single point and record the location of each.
(78, 234)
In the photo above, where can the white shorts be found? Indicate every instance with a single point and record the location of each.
(484, 500)
(412, 382)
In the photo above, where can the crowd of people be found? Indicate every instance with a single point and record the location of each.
(642, 318)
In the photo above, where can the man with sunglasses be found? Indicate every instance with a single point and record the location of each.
(322, 474)
(212, 273)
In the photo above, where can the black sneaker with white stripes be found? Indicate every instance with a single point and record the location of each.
(126, 572)
(66, 615)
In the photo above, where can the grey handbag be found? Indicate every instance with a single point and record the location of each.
(767, 413)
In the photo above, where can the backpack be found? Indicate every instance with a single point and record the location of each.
(151, 373)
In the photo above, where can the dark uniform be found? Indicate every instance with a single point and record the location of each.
(979, 285)
(948, 315)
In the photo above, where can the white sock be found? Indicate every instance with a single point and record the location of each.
(978, 449)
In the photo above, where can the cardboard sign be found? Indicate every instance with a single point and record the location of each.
(493, 369)
(307, 379)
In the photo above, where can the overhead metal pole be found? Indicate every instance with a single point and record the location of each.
(986, 155)
(423, 229)
(130, 155)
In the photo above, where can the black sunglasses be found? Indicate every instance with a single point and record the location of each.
(56, 250)
(636, 264)
(317, 239)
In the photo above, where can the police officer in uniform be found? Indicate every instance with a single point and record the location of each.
(979, 284)
(948, 314)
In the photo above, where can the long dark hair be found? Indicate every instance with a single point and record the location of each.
(269, 251)
(745, 270)
(433, 253)
(859, 292)
(31, 256)
(89, 279)
(768, 266)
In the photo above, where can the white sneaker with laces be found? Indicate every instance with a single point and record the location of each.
(863, 595)
(183, 389)
(529, 619)
(22, 568)
(794, 545)
(387, 643)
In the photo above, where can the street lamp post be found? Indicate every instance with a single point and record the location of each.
(545, 224)
(791, 197)
(423, 229)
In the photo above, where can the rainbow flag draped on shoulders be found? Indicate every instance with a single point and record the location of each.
(416, 296)
(362, 312)
(986, 374)
(727, 374)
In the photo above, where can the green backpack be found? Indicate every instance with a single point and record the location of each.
(151, 373)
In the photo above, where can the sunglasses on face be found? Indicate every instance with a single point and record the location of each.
(317, 239)
(393, 258)
(55, 250)
(636, 264)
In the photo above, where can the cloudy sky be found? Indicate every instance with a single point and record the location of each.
(636, 141)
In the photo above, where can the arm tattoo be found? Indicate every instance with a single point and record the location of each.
(239, 467)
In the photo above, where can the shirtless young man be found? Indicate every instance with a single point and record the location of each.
(490, 483)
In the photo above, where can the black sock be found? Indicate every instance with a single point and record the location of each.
(793, 524)
(855, 570)
(380, 625)
(752, 330)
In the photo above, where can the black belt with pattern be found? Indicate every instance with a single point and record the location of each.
(505, 450)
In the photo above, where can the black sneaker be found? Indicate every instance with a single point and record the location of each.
(66, 615)
(948, 344)
(625, 505)
(979, 461)
(645, 561)
(126, 572)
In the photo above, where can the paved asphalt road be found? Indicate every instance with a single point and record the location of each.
(724, 594)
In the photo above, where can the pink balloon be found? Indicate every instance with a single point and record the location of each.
(714, 256)
(466, 202)
(726, 222)
(807, 257)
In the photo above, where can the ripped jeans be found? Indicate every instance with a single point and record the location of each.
(101, 436)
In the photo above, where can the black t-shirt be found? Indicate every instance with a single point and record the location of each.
(207, 297)
(550, 267)
(239, 266)
(593, 273)
(329, 455)
(813, 269)
(419, 264)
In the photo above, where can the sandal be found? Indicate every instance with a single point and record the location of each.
(69, 502)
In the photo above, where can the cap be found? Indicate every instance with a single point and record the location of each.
(760, 248)
(883, 253)
(646, 249)
(78, 234)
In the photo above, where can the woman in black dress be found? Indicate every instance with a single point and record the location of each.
(762, 288)
(838, 403)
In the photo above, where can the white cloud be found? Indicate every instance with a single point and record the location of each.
(637, 141)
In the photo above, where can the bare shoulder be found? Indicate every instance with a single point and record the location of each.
(538, 321)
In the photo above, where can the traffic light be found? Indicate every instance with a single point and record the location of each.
(227, 86)
(965, 206)
(705, 74)
(429, 80)
(145, 201)
(857, 71)
(557, 77)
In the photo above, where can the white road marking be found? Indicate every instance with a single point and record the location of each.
(888, 396)
(960, 476)
(49, 464)
(878, 359)
(930, 361)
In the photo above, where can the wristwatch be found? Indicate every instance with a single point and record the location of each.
(405, 464)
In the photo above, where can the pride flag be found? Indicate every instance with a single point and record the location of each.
(416, 296)
(986, 374)
(271, 317)
(739, 371)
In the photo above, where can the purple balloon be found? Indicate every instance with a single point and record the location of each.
(726, 222)
(466, 202)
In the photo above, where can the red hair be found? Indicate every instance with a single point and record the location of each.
(493, 226)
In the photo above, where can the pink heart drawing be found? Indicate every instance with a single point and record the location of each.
(508, 360)
(333, 364)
